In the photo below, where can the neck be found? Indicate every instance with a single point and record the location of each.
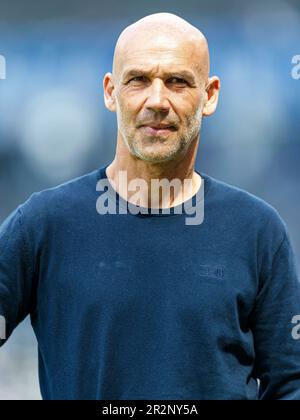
(182, 170)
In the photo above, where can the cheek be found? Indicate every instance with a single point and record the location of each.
(124, 113)
(198, 104)
(190, 104)
(128, 109)
(130, 101)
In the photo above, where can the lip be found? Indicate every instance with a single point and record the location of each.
(158, 130)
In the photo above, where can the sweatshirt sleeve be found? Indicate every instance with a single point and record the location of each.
(277, 309)
(16, 275)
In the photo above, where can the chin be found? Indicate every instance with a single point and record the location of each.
(156, 152)
(155, 157)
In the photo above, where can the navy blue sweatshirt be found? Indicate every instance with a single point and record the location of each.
(145, 306)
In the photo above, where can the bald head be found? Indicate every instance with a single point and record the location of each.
(165, 33)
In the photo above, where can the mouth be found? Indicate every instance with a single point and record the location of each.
(158, 130)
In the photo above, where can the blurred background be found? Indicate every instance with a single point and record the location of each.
(54, 126)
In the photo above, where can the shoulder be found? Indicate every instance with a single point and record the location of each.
(244, 209)
(59, 200)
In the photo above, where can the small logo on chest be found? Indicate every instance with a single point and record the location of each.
(211, 271)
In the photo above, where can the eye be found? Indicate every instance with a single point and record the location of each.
(138, 79)
(177, 81)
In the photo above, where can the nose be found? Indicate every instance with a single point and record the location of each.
(157, 100)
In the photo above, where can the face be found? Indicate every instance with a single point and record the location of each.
(159, 96)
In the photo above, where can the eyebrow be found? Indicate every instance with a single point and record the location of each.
(142, 72)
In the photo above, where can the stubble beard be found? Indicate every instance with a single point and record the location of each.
(136, 148)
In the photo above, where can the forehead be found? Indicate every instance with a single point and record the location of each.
(160, 52)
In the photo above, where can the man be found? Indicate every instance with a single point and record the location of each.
(140, 304)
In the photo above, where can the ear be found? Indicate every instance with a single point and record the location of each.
(109, 94)
(212, 95)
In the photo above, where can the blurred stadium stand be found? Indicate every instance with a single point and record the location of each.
(54, 126)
